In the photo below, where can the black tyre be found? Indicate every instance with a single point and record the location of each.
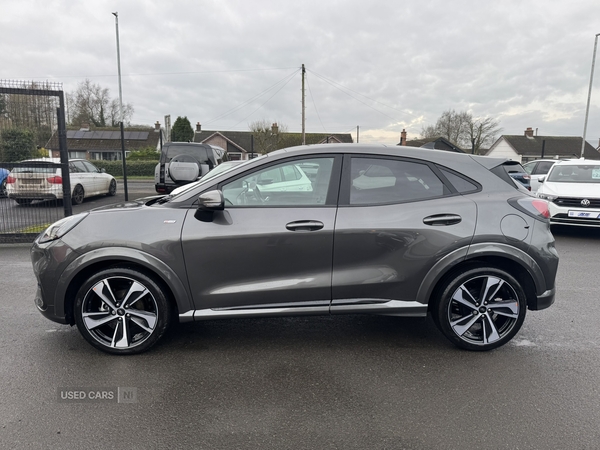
(112, 188)
(78, 195)
(3, 188)
(122, 311)
(480, 309)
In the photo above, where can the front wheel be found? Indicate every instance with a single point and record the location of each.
(121, 311)
(481, 309)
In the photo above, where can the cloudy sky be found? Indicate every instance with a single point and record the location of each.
(379, 65)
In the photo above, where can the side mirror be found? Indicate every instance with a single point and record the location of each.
(208, 203)
(102, 170)
(541, 179)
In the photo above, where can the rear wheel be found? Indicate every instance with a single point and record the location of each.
(481, 309)
(78, 195)
(121, 311)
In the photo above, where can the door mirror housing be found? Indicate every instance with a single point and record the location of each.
(541, 179)
(208, 203)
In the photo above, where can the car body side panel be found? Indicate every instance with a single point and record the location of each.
(383, 252)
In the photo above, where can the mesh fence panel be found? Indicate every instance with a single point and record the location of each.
(29, 193)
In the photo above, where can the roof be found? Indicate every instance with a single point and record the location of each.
(107, 139)
(563, 146)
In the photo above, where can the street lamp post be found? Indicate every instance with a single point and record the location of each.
(587, 109)
(116, 14)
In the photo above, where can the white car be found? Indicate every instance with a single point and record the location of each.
(572, 189)
(41, 179)
(538, 169)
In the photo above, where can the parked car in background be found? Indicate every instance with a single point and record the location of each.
(518, 173)
(573, 189)
(41, 179)
(3, 175)
(452, 236)
(538, 168)
(185, 162)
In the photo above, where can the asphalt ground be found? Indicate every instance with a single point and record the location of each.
(345, 382)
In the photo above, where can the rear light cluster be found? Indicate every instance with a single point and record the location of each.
(54, 180)
(534, 207)
(10, 180)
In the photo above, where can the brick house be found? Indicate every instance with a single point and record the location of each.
(105, 143)
(239, 143)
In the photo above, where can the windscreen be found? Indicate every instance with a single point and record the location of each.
(581, 173)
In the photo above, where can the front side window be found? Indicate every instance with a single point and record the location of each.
(284, 184)
(379, 181)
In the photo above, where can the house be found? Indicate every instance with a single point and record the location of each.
(239, 143)
(527, 147)
(105, 143)
(438, 143)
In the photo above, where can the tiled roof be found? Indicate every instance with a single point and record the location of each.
(243, 138)
(107, 139)
(563, 146)
(438, 143)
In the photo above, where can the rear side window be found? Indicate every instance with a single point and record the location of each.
(380, 180)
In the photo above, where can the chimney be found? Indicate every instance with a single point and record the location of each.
(274, 128)
(198, 127)
(157, 126)
(403, 137)
(529, 132)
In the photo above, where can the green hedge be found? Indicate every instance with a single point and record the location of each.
(134, 168)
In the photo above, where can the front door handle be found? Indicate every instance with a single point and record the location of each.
(442, 219)
(305, 225)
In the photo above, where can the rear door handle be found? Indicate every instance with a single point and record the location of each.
(305, 225)
(442, 219)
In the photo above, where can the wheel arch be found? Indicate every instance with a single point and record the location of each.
(510, 259)
(86, 265)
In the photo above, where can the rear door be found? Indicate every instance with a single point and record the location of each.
(397, 217)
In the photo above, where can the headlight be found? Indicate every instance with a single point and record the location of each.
(548, 197)
(60, 228)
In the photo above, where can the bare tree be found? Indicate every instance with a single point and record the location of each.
(91, 103)
(463, 130)
(482, 133)
(267, 137)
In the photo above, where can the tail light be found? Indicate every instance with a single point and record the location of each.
(10, 180)
(532, 206)
(54, 180)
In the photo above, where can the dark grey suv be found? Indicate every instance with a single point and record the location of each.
(371, 229)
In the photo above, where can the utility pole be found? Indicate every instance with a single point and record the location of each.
(116, 14)
(587, 109)
(303, 109)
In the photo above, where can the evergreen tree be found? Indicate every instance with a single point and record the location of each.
(182, 130)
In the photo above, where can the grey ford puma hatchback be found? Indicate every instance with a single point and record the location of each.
(324, 229)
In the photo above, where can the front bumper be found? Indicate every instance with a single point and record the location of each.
(574, 215)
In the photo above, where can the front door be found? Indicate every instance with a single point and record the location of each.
(273, 243)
